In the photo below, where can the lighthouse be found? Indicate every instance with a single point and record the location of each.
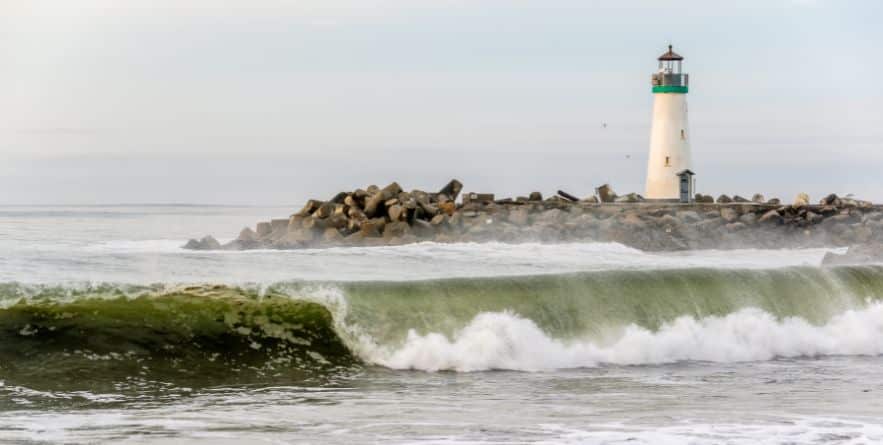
(669, 134)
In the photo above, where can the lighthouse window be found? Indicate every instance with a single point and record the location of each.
(667, 161)
(683, 135)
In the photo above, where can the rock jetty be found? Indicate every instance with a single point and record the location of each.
(376, 216)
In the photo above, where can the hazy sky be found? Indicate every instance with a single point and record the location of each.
(271, 102)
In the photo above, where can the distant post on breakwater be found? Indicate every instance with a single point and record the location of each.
(670, 133)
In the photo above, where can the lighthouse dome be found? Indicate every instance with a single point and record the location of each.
(670, 55)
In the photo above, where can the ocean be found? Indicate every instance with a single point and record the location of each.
(111, 333)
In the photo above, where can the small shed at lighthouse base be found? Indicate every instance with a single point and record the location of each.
(687, 184)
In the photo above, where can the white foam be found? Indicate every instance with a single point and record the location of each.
(504, 340)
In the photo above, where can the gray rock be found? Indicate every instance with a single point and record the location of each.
(452, 189)
(771, 216)
(606, 193)
(396, 213)
(748, 218)
(856, 254)
(704, 199)
(631, 197)
(689, 216)
(206, 243)
(729, 214)
(263, 229)
(396, 229)
(247, 235)
(518, 216)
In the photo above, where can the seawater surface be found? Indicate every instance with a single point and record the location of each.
(110, 333)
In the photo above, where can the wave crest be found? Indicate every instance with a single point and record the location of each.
(506, 341)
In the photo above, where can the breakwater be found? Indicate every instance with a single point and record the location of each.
(391, 216)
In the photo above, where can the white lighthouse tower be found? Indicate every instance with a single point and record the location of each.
(670, 134)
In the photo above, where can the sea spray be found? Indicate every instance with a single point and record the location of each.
(504, 340)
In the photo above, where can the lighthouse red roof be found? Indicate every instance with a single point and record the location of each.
(670, 55)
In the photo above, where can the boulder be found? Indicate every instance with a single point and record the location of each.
(856, 254)
(813, 218)
(735, 226)
(206, 243)
(535, 196)
(729, 214)
(631, 197)
(606, 193)
(689, 216)
(518, 216)
(324, 211)
(748, 218)
(396, 213)
(339, 198)
(774, 202)
(372, 228)
(738, 198)
(724, 199)
(310, 207)
(801, 200)
(772, 217)
(448, 207)
(247, 235)
(332, 235)
(831, 200)
(704, 199)
(374, 202)
(452, 189)
(758, 198)
(396, 229)
(263, 229)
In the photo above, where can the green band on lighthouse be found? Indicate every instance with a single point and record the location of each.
(670, 89)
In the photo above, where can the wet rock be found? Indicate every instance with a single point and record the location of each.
(856, 254)
(206, 243)
(396, 229)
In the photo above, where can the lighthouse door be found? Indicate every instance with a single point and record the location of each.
(685, 188)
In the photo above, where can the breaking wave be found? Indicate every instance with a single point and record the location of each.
(67, 335)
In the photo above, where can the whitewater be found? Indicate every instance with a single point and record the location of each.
(110, 332)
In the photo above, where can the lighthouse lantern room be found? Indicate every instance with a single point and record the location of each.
(669, 134)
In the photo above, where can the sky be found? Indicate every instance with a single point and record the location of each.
(272, 102)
